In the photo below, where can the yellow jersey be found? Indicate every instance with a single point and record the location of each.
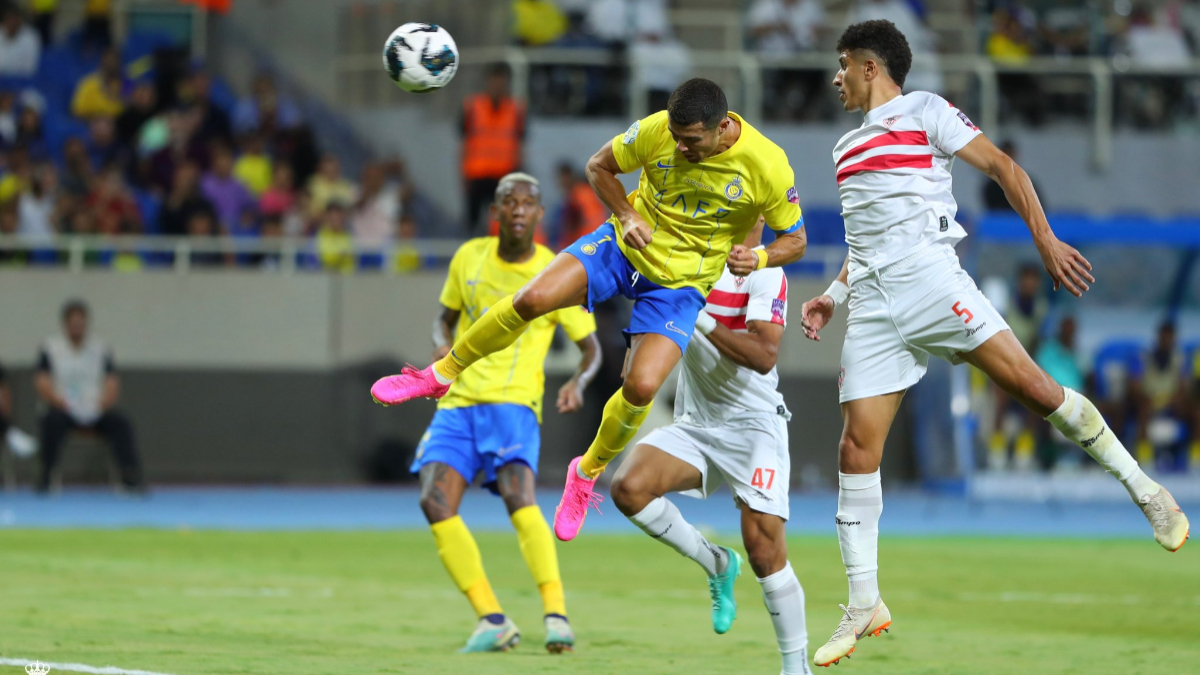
(699, 211)
(478, 279)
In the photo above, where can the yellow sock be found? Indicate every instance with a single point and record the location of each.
(537, 547)
(1194, 455)
(460, 555)
(498, 328)
(620, 422)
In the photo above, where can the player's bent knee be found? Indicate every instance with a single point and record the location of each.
(630, 493)
(856, 457)
(435, 511)
(639, 389)
(531, 302)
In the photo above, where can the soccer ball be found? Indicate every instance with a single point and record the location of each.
(420, 57)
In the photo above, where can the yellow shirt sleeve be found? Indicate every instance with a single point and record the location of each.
(782, 206)
(451, 297)
(576, 322)
(634, 148)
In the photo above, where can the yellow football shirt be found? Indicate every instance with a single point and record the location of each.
(478, 279)
(699, 211)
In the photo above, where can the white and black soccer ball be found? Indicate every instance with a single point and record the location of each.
(420, 57)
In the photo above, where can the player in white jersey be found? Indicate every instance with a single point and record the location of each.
(908, 299)
(730, 426)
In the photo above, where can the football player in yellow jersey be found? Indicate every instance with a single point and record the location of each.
(489, 423)
(707, 176)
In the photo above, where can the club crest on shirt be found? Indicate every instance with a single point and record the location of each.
(891, 121)
(734, 189)
(792, 195)
(738, 281)
(632, 132)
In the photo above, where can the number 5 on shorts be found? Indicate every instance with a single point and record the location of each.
(757, 480)
(963, 311)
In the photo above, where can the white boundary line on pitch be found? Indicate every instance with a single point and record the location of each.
(79, 668)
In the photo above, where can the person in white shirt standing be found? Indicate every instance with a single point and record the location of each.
(20, 46)
(909, 298)
(77, 381)
(730, 426)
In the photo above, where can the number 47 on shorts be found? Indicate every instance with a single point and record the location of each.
(757, 479)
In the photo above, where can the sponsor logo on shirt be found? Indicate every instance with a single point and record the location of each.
(976, 329)
(966, 120)
(698, 185)
(792, 195)
(777, 310)
(734, 189)
(632, 132)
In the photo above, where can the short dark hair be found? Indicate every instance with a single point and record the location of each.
(885, 40)
(74, 305)
(698, 100)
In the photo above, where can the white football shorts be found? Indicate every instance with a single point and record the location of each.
(750, 453)
(899, 315)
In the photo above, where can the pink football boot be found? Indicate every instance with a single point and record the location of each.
(578, 495)
(409, 384)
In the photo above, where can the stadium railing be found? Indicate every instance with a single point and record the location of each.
(288, 255)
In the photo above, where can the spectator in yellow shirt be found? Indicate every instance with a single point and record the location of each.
(328, 185)
(537, 22)
(99, 94)
(335, 248)
(253, 169)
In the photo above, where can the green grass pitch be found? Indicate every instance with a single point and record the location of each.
(218, 603)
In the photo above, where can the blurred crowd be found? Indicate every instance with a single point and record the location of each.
(1138, 33)
(156, 146)
(1148, 391)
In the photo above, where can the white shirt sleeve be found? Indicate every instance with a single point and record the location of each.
(768, 296)
(949, 128)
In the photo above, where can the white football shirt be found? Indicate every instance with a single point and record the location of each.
(893, 173)
(713, 389)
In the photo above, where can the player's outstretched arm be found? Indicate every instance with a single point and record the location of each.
(1066, 266)
(602, 171)
(817, 312)
(570, 396)
(443, 331)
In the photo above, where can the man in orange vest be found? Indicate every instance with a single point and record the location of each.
(581, 209)
(493, 131)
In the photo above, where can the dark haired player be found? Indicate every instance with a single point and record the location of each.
(909, 298)
(707, 176)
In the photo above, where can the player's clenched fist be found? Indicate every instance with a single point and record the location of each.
(635, 232)
(815, 314)
(742, 260)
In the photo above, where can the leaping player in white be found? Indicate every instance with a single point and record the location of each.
(908, 299)
(730, 425)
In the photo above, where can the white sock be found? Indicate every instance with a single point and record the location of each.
(860, 503)
(663, 521)
(442, 379)
(1080, 422)
(784, 597)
